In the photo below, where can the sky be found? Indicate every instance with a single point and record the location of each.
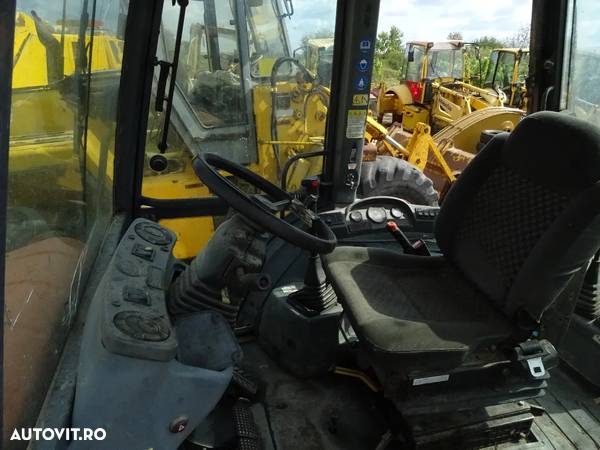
(424, 19)
(434, 19)
(417, 19)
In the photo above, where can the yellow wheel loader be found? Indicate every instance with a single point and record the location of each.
(433, 90)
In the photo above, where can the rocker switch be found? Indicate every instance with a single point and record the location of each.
(135, 295)
(143, 251)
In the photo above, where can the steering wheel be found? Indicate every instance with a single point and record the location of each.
(264, 211)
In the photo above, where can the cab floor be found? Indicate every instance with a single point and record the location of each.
(336, 412)
(572, 418)
(330, 412)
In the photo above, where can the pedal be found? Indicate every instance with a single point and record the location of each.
(245, 427)
(242, 380)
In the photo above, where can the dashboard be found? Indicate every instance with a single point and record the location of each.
(373, 213)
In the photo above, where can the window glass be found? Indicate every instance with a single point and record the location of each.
(208, 75)
(65, 85)
(504, 71)
(489, 79)
(266, 30)
(414, 65)
(582, 64)
(445, 64)
(239, 95)
(523, 68)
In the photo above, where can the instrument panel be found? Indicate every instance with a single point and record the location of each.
(373, 213)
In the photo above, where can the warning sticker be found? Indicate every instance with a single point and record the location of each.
(360, 100)
(355, 126)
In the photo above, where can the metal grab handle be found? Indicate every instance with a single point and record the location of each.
(545, 97)
(165, 66)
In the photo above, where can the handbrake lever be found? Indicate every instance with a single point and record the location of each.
(419, 248)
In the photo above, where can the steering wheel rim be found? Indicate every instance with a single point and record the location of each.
(207, 166)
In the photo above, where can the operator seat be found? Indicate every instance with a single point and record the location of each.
(516, 228)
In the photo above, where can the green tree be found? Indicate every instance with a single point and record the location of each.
(389, 55)
(488, 43)
(455, 36)
(389, 42)
(520, 39)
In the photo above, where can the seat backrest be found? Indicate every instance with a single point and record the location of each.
(524, 216)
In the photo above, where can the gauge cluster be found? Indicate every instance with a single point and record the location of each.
(373, 213)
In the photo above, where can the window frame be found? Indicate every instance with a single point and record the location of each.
(7, 29)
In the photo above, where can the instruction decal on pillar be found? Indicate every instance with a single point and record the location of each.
(362, 83)
(355, 125)
(360, 100)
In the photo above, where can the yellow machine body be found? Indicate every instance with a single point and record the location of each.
(412, 115)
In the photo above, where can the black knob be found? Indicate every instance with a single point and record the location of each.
(158, 163)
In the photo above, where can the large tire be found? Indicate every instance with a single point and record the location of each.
(395, 177)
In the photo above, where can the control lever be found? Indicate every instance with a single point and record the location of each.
(418, 248)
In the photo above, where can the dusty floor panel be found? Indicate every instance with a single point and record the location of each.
(331, 412)
(572, 419)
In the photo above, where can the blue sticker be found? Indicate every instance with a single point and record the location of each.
(362, 83)
(365, 45)
(363, 65)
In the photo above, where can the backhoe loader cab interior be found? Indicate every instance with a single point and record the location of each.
(215, 281)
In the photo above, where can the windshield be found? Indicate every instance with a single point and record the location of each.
(445, 64)
(238, 98)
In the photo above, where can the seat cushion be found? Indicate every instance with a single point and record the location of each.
(418, 309)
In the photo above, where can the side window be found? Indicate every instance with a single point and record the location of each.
(581, 91)
(414, 67)
(267, 36)
(65, 87)
(209, 72)
(505, 70)
(523, 68)
(491, 69)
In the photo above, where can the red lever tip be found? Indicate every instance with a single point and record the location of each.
(392, 226)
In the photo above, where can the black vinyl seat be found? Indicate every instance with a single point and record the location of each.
(516, 229)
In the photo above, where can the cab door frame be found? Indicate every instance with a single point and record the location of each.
(7, 29)
(549, 23)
